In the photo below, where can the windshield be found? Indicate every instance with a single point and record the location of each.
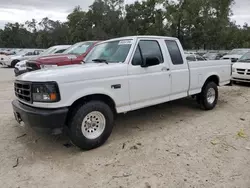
(238, 52)
(245, 58)
(111, 52)
(79, 48)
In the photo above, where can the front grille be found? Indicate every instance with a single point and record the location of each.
(23, 91)
(241, 71)
(31, 66)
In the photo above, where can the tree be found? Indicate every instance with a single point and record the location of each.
(197, 23)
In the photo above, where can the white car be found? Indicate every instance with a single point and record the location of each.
(236, 54)
(12, 60)
(3, 58)
(118, 76)
(20, 67)
(241, 69)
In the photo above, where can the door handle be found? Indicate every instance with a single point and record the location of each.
(165, 69)
(116, 86)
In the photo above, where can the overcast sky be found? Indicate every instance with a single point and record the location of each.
(20, 11)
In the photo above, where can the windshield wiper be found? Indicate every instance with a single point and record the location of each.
(100, 61)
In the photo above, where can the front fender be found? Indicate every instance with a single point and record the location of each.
(90, 91)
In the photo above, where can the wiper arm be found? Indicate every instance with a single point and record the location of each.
(100, 61)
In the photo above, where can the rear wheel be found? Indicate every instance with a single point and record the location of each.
(209, 96)
(91, 125)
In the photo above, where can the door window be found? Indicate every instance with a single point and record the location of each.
(147, 49)
(60, 51)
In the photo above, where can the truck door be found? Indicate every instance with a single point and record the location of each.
(179, 70)
(151, 84)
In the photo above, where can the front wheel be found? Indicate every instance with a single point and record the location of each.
(13, 63)
(91, 125)
(209, 96)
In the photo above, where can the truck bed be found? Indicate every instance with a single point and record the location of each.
(199, 71)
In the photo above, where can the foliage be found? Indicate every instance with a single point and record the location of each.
(197, 23)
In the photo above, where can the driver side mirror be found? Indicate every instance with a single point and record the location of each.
(151, 61)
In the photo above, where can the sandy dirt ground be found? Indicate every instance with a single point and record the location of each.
(170, 145)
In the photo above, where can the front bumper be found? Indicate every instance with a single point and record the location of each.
(241, 80)
(5, 62)
(19, 72)
(38, 117)
(241, 77)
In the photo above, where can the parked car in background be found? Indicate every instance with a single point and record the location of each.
(194, 57)
(236, 54)
(9, 51)
(189, 53)
(118, 76)
(213, 56)
(21, 68)
(73, 55)
(241, 69)
(6, 52)
(12, 60)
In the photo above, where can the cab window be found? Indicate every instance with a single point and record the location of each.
(147, 49)
(174, 52)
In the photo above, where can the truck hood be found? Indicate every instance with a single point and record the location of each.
(233, 56)
(240, 65)
(53, 59)
(74, 73)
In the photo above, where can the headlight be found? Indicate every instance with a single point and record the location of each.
(45, 92)
(47, 66)
(233, 69)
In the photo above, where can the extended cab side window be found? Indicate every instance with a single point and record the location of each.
(147, 49)
(174, 52)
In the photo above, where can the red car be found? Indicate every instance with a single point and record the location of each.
(74, 55)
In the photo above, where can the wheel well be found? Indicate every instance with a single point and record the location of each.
(98, 97)
(214, 79)
(14, 62)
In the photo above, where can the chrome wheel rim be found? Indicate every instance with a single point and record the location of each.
(211, 95)
(93, 125)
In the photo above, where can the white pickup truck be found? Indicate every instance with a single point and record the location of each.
(118, 76)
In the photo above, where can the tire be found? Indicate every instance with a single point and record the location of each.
(87, 118)
(234, 82)
(13, 63)
(208, 97)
